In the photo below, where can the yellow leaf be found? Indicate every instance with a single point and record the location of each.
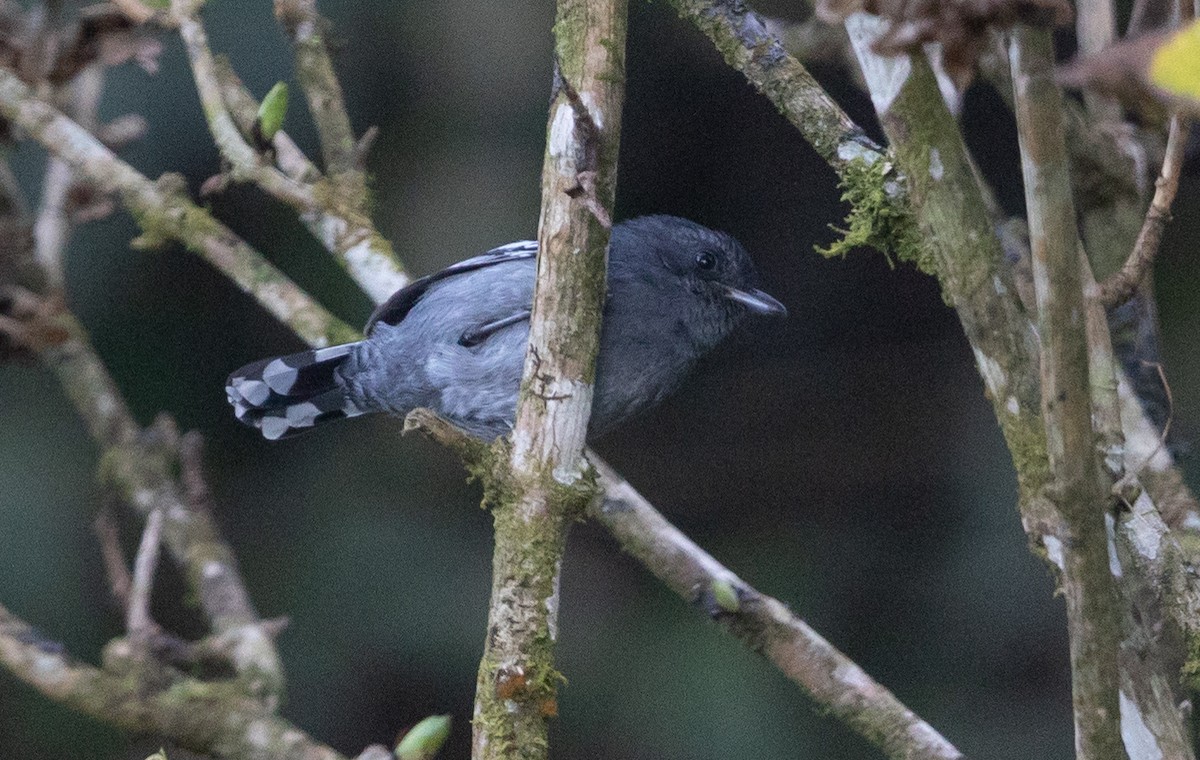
(1175, 66)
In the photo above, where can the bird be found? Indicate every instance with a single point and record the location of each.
(455, 341)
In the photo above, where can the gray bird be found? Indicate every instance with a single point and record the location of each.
(455, 341)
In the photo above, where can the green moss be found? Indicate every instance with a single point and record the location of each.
(1190, 672)
(878, 219)
(1026, 441)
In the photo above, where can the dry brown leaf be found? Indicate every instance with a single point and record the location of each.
(962, 27)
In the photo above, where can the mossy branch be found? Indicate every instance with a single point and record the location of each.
(541, 484)
(764, 624)
(879, 218)
(137, 687)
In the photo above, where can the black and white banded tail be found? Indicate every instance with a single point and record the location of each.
(287, 395)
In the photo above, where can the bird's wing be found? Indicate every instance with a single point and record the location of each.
(393, 311)
(473, 336)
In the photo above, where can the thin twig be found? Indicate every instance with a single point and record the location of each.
(1118, 287)
(52, 228)
(245, 163)
(143, 473)
(314, 69)
(1095, 30)
(119, 579)
(138, 621)
(344, 228)
(1166, 429)
(244, 109)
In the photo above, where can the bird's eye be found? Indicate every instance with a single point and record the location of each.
(706, 261)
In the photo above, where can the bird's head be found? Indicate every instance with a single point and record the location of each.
(703, 277)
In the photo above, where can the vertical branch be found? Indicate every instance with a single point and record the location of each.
(548, 484)
(1092, 600)
(52, 227)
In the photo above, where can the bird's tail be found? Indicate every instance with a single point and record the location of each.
(287, 395)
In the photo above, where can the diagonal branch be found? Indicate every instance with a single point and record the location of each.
(245, 162)
(962, 249)
(748, 46)
(164, 212)
(837, 684)
(765, 625)
(1121, 285)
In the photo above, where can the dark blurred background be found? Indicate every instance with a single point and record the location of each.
(845, 461)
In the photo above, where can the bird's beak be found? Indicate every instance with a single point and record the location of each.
(757, 301)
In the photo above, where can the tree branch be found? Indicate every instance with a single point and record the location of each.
(748, 46)
(137, 611)
(765, 625)
(963, 251)
(141, 465)
(1092, 601)
(342, 223)
(345, 227)
(164, 212)
(245, 163)
(135, 689)
(1095, 30)
(545, 481)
